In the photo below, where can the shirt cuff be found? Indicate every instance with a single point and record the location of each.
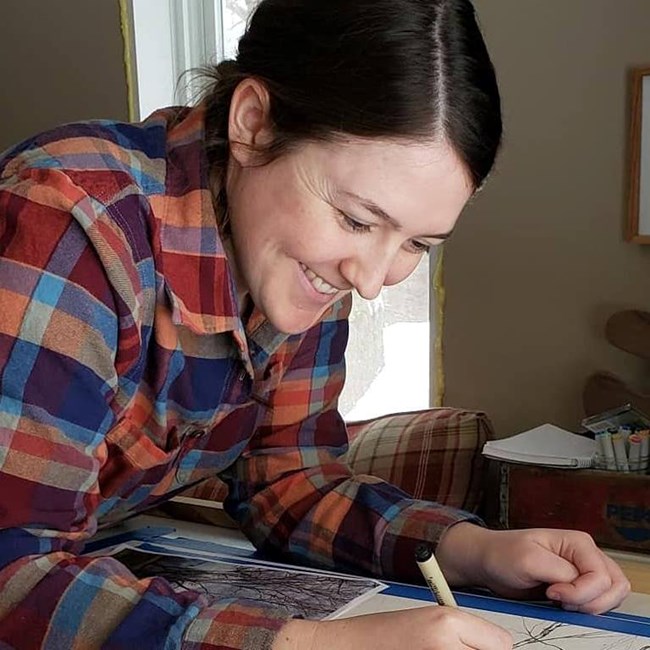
(237, 624)
(420, 522)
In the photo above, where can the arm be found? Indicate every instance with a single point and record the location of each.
(67, 321)
(292, 495)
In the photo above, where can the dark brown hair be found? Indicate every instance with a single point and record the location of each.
(406, 69)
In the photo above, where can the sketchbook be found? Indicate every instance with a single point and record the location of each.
(545, 445)
(316, 595)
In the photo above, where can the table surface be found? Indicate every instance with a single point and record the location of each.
(635, 566)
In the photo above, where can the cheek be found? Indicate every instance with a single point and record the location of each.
(307, 229)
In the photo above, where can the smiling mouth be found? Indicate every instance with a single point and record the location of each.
(321, 285)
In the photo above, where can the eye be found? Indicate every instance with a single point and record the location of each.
(352, 224)
(418, 247)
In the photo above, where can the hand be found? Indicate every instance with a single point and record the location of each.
(424, 628)
(566, 565)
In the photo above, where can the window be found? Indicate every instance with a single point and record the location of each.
(388, 357)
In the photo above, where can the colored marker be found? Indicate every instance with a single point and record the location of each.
(604, 439)
(635, 452)
(645, 449)
(619, 453)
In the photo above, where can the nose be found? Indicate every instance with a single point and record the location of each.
(367, 282)
(370, 271)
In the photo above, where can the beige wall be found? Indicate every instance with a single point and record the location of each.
(539, 262)
(60, 61)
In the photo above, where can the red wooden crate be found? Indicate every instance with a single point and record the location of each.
(613, 507)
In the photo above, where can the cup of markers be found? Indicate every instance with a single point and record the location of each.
(623, 449)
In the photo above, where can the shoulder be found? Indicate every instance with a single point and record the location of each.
(73, 201)
(104, 157)
(102, 173)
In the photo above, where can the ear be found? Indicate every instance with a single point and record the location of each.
(249, 121)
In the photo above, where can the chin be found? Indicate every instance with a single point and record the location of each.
(288, 326)
(292, 321)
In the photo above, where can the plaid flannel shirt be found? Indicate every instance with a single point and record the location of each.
(126, 374)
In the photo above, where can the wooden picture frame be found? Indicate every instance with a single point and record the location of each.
(638, 214)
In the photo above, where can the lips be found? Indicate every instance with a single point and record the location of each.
(321, 285)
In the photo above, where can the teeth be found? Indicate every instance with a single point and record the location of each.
(317, 282)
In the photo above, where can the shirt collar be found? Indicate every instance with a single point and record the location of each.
(192, 258)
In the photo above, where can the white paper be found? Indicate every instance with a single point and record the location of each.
(544, 445)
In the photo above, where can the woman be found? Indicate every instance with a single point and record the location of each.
(173, 304)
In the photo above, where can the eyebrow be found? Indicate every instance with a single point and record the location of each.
(380, 213)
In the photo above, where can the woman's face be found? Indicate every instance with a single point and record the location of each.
(328, 218)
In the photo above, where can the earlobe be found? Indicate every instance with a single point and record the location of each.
(249, 122)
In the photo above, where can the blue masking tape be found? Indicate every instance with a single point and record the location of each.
(612, 621)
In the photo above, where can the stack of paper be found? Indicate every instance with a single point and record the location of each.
(544, 445)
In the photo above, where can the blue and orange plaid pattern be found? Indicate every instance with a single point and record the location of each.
(126, 375)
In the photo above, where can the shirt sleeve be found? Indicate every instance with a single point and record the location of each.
(292, 494)
(67, 302)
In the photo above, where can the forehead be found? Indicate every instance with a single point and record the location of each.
(425, 183)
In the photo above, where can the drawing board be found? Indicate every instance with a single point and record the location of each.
(318, 594)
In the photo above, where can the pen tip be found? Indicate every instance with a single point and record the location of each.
(423, 552)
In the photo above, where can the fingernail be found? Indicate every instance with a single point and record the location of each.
(553, 595)
(571, 608)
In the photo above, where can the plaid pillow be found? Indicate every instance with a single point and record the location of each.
(433, 454)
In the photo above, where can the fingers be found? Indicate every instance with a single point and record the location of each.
(600, 585)
(614, 596)
(615, 590)
(593, 576)
(479, 634)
